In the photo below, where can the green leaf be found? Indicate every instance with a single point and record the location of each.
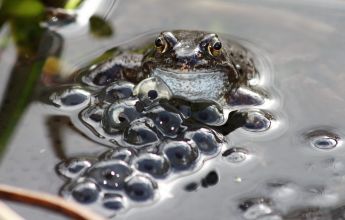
(24, 8)
(72, 4)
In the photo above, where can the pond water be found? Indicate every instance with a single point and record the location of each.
(293, 170)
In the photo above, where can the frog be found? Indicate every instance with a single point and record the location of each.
(195, 65)
(163, 108)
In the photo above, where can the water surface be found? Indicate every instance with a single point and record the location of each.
(294, 165)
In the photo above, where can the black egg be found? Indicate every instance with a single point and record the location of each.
(168, 123)
(140, 133)
(191, 187)
(92, 114)
(124, 154)
(211, 179)
(71, 98)
(104, 75)
(117, 91)
(85, 192)
(204, 140)
(257, 121)
(153, 164)
(181, 154)
(210, 116)
(110, 174)
(73, 167)
(113, 202)
(140, 188)
(152, 94)
(118, 116)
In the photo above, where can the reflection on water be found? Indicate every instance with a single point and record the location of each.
(323, 139)
(286, 162)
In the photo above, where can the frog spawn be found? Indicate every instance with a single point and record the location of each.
(120, 178)
(152, 145)
(155, 135)
(153, 162)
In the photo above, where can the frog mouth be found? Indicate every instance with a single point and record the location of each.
(196, 85)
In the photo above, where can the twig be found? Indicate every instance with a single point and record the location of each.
(47, 201)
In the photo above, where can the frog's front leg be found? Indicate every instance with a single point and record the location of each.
(236, 119)
(122, 67)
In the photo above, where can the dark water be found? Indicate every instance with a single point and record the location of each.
(285, 163)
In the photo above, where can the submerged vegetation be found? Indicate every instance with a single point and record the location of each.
(22, 22)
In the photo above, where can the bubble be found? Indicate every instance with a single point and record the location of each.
(118, 90)
(235, 155)
(255, 208)
(153, 164)
(73, 167)
(140, 188)
(113, 202)
(168, 123)
(70, 99)
(110, 174)
(118, 116)
(322, 139)
(324, 143)
(210, 116)
(140, 133)
(211, 179)
(257, 121)
(124, 154)
(181, 154)
(204, 140)
(85, 192)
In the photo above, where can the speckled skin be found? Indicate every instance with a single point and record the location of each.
(187, 52)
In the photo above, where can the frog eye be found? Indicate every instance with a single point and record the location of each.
(214, 47)
(161, 44)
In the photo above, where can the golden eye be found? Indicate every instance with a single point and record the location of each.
(214, 48)
(161, 44)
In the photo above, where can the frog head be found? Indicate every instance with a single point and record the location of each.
(191, 59)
